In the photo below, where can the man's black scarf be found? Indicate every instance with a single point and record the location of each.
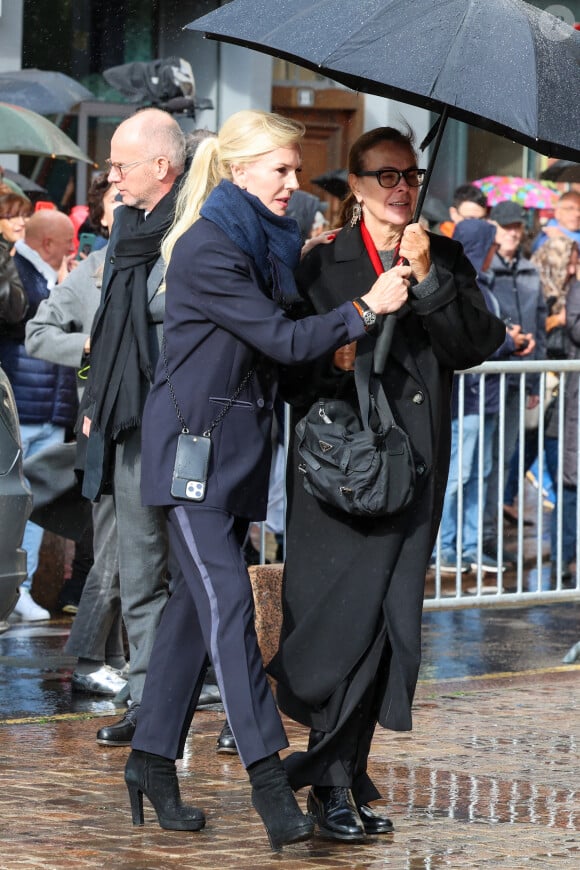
(121, 369)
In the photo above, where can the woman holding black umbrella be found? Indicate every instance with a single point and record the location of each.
(353, 589)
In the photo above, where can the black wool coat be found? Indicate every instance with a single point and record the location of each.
(353, 588)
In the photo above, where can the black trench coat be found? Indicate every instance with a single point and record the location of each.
(353, 588)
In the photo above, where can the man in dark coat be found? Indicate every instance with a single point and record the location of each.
(147, 157)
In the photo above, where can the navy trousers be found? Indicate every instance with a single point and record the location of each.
(209, 613)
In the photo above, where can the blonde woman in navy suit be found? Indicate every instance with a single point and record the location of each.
(231, 254)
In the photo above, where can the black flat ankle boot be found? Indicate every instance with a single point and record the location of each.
(156, 777)
(274, 801)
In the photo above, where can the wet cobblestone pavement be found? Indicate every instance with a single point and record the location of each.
(487, 778)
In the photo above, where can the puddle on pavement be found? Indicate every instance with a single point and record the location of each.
(480, 799)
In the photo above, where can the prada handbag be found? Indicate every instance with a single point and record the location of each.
(359, 461)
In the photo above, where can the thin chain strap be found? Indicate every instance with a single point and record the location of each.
(227, 407)
(230, 402)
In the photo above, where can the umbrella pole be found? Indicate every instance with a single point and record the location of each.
(437, 130)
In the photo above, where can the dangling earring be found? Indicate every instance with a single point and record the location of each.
(356, 214)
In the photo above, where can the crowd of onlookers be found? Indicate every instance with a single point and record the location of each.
(532, 283)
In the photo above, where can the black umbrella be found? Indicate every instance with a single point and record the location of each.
(48, 93)
(562, 171)
(502, 65)
(335, 182)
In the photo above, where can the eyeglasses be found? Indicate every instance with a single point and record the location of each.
(390, 177)
(14, 217)
(123, 168)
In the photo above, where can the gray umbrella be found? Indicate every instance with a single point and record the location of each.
(24, 183)
(562, 171)
(48, 93)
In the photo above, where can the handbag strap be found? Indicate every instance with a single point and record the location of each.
(227, 407)
(370, 388)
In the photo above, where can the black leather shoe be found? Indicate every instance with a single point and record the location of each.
(210, 694)
(373, 823)
(226, 742)
(121, 733)
(335, 813)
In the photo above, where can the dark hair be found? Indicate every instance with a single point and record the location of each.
(99, 186)
(193, 138)
(469, 193)
(358, 152)
(14, 205)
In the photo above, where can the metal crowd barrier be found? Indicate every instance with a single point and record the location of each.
(536, 576)
(531, 579)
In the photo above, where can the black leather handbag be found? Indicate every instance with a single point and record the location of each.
(363, 469)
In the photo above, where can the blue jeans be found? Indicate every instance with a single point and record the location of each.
(511, 431)
(568, 509)
(469, 481)
(36, 437)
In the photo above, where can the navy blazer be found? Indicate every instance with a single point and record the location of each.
(220, 323)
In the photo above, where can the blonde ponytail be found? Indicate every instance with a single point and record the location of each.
(202, 177)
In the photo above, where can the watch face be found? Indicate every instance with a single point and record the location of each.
(370, 318)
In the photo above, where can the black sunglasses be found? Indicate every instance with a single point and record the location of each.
(390, 177)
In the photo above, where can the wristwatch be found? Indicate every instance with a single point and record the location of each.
(369, 317)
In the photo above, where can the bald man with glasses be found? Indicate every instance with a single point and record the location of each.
(147, 158)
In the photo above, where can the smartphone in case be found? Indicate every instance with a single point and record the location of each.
(86, 242)
(191, 467)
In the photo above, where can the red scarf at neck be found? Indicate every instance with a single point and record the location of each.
(374, 254)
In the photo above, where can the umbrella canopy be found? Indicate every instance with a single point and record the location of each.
(48, 93)
(335, 182)
(525, 191)
(25, 132)
(502, 65)
(562, 171)
(25, 184)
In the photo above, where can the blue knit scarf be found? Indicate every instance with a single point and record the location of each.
(273, 242)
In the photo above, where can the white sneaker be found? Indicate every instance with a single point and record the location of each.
(103, 681)
(28, 610)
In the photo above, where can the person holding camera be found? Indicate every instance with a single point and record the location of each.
(515, 283)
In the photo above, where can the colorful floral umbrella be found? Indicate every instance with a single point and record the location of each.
(525, 191)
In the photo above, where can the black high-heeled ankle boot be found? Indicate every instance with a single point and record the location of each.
(156, 777)
(274, 801)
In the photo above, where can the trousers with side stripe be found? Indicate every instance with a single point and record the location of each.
(210, 613)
